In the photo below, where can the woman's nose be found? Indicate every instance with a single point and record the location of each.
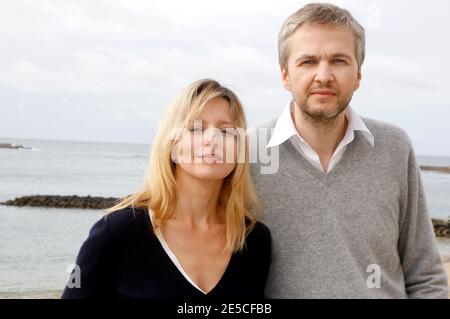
(210, 136)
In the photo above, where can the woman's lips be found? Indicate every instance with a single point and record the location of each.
(210, 159)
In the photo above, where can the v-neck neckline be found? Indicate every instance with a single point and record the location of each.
(326, 178)
(175, 263)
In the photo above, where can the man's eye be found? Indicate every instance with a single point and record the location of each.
(309, 62)
(340, 61)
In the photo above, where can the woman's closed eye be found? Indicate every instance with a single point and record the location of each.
(229, 131)
(196, 129)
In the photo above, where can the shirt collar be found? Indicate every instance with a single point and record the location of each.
(355, 123)
(285, 128)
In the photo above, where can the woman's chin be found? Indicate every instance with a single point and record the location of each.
(213, 171)
(206, 171)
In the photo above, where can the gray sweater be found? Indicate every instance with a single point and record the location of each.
(362, 231)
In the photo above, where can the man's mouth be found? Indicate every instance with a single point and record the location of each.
(323, 92)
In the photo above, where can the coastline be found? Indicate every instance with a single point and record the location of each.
(37, 294)
(441, 226)
(437, 169)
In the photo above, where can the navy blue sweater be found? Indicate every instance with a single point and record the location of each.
(123, 258)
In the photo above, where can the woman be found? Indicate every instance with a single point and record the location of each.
(191, 231)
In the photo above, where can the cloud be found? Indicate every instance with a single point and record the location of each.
(121, 62)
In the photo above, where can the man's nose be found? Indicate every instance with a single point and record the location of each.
(324, 73)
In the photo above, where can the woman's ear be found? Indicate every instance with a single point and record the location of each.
(176, 138)
(174, 153)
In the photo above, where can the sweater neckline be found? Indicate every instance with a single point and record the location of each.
(326, 178)
(176, 267)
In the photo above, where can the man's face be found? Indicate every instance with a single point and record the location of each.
(322, 71)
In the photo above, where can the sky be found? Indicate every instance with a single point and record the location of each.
(104, 70)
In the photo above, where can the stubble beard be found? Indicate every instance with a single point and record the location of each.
(320, 119)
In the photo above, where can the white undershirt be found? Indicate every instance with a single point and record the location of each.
(171, 254)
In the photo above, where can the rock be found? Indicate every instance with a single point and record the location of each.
(74, 201)
(14, 146)
(441, 228)
(10, 145)
(438, 169)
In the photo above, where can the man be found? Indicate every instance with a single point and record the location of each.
(346, 206)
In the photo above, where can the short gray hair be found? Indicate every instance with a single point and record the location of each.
(320, 14)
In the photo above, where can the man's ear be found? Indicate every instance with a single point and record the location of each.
(285, 78)
(358, 80)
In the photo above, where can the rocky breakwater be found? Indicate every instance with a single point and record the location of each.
(12, 146)
(441, 228)
(74, 201)
(436, 169)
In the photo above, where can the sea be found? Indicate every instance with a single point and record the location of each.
(39, 245)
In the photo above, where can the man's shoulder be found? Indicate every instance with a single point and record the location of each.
(373, 124)
(387, 133)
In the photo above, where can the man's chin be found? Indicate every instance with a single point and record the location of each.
(321, 112)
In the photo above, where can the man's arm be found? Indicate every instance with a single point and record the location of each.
(423, 269)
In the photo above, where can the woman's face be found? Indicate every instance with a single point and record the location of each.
(207, 149)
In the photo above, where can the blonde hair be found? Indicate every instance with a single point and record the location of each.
(320, 14)
(158, 192)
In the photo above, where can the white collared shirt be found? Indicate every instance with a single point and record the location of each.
(285, 130)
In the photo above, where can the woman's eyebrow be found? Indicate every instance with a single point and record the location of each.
(219, 123)
(225, 123)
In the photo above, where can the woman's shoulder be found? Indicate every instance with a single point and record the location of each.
(259, 228)
(258, 245)
(259, 233)
(118, 224)
(125, 220)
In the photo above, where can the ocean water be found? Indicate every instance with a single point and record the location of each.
(437, 186)
(38, 244)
